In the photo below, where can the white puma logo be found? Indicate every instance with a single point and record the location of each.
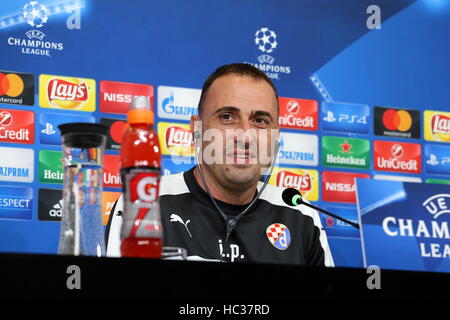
(176, 218)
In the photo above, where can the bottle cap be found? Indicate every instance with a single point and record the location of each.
(140, 111)
(83, 135)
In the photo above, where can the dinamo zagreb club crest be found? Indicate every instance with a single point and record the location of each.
(279, 236)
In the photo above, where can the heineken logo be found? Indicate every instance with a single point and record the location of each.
(345, 152)
(345, 147)
(51, 166)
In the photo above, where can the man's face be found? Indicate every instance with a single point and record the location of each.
(244, 112)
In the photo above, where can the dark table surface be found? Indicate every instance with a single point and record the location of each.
(45, 276)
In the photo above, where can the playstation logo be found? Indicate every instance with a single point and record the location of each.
(330, 117)
(433, 160)
(48, 130)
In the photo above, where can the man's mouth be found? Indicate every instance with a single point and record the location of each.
(241, 158)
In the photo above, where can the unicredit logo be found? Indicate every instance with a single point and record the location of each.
(440, 124)
(64, 90)
(401, 157)
(111, 174)
(397, 150)
(291, 121)
(5, 118)
(293, 107)
(397, 164)
(286, 179)
(178, 137)
(110, 179)
(17, 126)
(298, 113)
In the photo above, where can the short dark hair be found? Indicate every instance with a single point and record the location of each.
(242, 69)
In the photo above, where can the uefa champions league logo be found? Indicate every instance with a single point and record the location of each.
(35, 14)
(437, 204)
(266, 40)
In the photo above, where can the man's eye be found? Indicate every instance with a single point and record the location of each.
(226, 117)
(261, 121)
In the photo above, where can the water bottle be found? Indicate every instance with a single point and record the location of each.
(81, 222)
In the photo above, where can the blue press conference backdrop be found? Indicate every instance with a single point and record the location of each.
(322, 51)
(405, 225)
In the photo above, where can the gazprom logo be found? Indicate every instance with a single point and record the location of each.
(298, 149)
(167, 103)
(177, 103)
(170, 108)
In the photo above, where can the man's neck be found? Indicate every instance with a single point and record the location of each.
(225, 195)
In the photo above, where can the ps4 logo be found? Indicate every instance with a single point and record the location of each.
(433, 161)
(437, 159)
(48, 130)
(343, 117)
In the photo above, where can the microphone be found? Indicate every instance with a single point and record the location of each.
(293, 197)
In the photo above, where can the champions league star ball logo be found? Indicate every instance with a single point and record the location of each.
(35, 14)
(266, 40)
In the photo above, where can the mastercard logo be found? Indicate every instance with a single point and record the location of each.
(11, 85)
(399, 120)
(117, 130)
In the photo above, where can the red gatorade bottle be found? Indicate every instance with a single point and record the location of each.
(140, 155)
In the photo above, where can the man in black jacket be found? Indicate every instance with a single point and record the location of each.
(220, 210)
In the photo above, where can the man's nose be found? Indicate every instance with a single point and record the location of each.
(248, 134)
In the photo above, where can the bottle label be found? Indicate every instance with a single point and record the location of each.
(141, 218)
(144, 187)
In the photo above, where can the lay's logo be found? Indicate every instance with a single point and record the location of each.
(178, 137)
(67, 93)
(304, 180)
(288, 179)
(175, 139)
(440, 124)
(64, 90)
(437, 126)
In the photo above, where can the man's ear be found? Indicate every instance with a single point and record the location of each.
(194, 118)
(196, 128)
